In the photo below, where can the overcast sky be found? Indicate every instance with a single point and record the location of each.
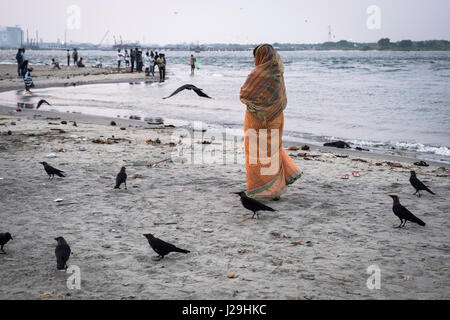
(224, 21)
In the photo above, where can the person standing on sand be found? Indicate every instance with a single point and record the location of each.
(163, 56)
(264, 95)
(132, 58)
(161, 67)
(152, 64)
(28, 81)
(19, 58)
(147, 61)
(156, 58)
(68, 57)
(75, 56)
(119, 59)
(127, 59)
(138, 60)
(192, 62)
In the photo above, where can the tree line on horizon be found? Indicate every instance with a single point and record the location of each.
(382, 44)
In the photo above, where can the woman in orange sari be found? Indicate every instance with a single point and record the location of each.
(269, 168)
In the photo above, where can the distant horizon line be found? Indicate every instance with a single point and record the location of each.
(232, 43)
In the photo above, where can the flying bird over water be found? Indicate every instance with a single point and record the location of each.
(52, 171)
(252, 204)
(4, 238)
(121, 178)
(161, 247)
(62, 253)
(41, 102)
(404, 214)
(190, 87)
(417, 184)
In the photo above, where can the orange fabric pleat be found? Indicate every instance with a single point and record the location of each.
(261, 185)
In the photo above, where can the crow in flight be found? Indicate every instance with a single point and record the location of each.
(190, 87)
(162, 248)
(404, 214)
(41, 102)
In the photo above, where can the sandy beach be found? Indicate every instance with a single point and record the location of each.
(46, 76)
(319, 243)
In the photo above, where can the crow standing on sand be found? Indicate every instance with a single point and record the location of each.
(162, 248)
(121, 178)
(62, 253)
(41, 102)
(52, 171)
(252, 204)
(417, 184)
(404, 214)
(4, 238)
(190, 87)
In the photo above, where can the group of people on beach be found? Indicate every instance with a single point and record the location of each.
(77, 62)
(135, 59)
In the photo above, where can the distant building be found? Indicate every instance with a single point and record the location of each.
(11, 37)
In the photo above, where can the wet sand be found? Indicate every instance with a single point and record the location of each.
(318, 244)
(46, 76)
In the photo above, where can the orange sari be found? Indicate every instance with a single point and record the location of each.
(269, 168)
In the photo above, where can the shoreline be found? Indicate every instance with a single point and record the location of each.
(46, 77)
(59, 85)
(407, 157)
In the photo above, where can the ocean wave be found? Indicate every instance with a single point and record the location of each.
(367, 143)
(406, 146)
(419, 147)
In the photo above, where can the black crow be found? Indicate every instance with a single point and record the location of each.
(404, 214)
(52, 171)
(4, 238)
(252, 204)
(121, 178)
(190, 87)
(417, 184)
(62, 253)
(161, 247)
(41, 102)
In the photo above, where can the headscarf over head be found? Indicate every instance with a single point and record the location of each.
(264, 92)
